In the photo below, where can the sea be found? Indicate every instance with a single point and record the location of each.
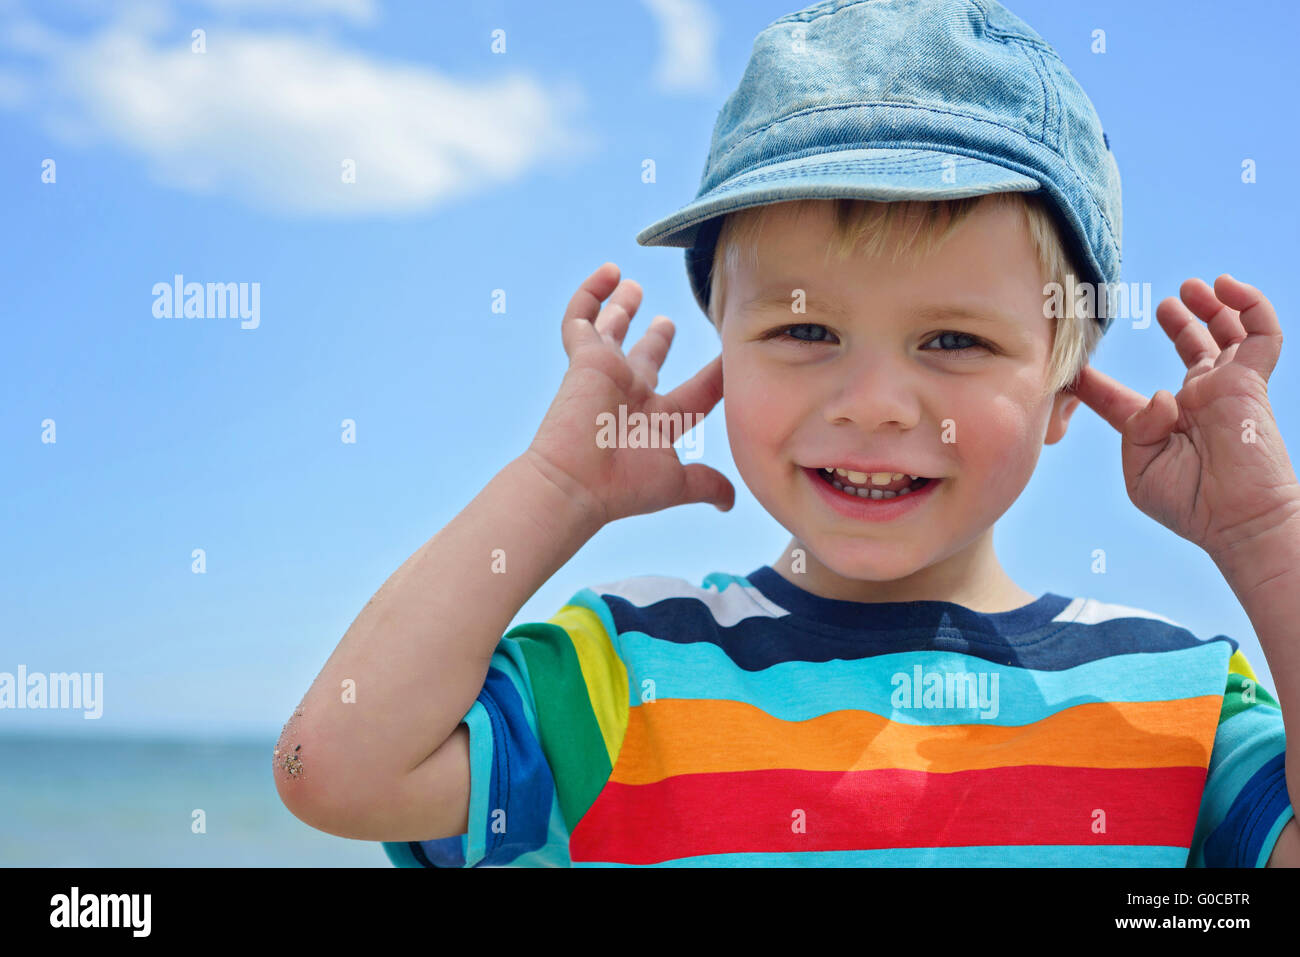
(131, 802)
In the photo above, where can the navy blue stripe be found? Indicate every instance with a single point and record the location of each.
(418, 853)
(904, 614)
(823, 629)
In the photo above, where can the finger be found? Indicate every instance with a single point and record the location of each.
(1196, 347)
(613, 320)
(576, 328)
(1222, 321)
(647, 356)
(1151, 425)
(1146, 434)
(1263, 343)
(698, 394)
(1111, 400)
(705, 484)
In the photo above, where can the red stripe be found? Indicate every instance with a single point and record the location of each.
(754, 811)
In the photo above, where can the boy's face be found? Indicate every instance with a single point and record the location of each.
(879, 384)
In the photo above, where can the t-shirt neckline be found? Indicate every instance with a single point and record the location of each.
(854, 615)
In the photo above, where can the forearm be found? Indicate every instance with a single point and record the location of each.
(418, 652)
(1264, 573)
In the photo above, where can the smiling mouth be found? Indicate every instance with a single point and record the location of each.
(841, 484)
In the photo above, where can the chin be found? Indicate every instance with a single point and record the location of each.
(866, 561)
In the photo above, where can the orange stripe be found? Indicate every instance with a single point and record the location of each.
(672, 736)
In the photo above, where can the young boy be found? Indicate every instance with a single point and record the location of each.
(883, 693)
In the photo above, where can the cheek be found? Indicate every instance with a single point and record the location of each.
(751, 429)
(1000, 440)
(759, 421)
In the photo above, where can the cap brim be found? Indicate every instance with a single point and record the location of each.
(886, 175)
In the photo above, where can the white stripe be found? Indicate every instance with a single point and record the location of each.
(733, 604)
(1089, 611)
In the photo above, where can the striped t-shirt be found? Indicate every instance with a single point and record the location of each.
(749, 722)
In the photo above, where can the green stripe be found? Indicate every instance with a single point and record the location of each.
(1235, 703)
(566, 723)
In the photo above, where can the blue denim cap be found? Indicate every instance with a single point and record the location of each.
(905, 100)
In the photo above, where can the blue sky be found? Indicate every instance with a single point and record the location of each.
(475, 171)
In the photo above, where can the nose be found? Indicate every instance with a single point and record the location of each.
(873, 390)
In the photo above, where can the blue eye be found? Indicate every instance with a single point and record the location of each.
(949, 338)
(948, 341)
(784, 333)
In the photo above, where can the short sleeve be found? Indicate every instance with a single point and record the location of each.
(543, 734)
(1245, 804)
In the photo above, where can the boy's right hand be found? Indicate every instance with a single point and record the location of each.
(612, 483)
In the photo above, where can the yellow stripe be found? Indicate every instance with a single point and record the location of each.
(602, 671)
(1238, 664)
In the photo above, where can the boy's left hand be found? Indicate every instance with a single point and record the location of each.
(1209, 463)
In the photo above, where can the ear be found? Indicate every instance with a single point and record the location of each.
(1063, 407)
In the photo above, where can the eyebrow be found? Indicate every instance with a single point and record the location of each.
(930, 312)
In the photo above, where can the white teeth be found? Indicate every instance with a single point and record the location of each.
(876, 478)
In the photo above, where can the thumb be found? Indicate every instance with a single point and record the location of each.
(705, 484)
(1153, 422)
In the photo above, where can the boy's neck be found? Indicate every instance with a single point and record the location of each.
(972, 578)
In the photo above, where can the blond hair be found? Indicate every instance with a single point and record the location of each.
(867, 224)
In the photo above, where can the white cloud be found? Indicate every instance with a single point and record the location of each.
(271, 118)
(688, 39)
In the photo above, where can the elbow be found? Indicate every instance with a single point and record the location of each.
(290, 785)
(311, 791)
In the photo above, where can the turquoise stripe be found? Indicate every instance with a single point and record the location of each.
(1266, 851)
(480, 777)
(1253, 729)
(1244, 744)
(1046, 855)
(798, 690)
